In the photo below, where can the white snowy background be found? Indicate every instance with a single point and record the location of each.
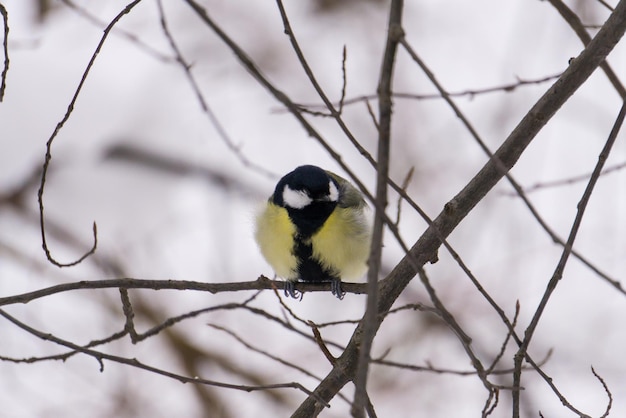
(155, 222)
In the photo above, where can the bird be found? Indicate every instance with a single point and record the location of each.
(314, 228)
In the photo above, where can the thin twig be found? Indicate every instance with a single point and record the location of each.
(469, 93)
(101, 356)
(344, 83)
(48, 155)
(204, 105)
(139, 337)
(263, 352)
(5, 48)
(498, 357)
(127, 308)
(311, 76)
(440, 370)
(566, 181)
(404, 186)
(465, 339)
(370, 111)
(264, 314)
(608, 393)
(169, 322)
(131, 37)
(322, 344)
(558, 272)
(67, 355)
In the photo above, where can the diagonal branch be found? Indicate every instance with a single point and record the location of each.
(202, 101)
(336, 114)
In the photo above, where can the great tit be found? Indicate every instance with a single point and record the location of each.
(314, 228)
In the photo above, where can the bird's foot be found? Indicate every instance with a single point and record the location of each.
(335, 289)
(291, 291)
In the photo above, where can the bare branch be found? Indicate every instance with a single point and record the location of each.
(5, 48)
(169, 322)
(608, 393)
(252, 68)
(465, 339)
(128, 283)
(134, 39)
(264, 353)
(370, 111)
(100, 357)
(322, 345)
(470, 93)
(497, 359)
(329, 105)
(558, 272)
(567, 181)
(127, 307)
(344, 83)
(440, 370)
(403, 186)
(369, 324)
(204, 105)
(48, 155)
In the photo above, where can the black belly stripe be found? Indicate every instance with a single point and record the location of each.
(309, 269)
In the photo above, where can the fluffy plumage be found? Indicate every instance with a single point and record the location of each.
(314, 228)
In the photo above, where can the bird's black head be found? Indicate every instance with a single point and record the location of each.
(309, 194)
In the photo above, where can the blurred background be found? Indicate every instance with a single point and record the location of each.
(174, 188)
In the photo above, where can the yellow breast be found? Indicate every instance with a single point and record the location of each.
(343, 243)
(274, 234)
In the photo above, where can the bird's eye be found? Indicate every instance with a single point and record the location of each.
(296, 199)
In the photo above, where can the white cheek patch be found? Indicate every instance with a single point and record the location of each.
(296, 199)
(333, 193)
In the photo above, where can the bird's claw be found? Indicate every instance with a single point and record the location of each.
(335, 289)
(291, 291)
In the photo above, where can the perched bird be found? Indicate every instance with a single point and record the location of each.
(314, 228)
